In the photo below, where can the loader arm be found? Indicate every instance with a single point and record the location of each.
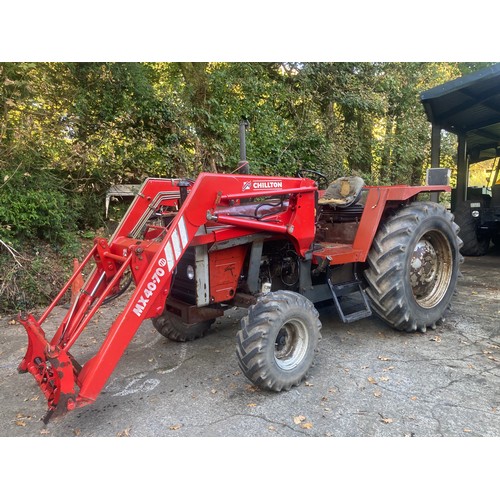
(152, 263)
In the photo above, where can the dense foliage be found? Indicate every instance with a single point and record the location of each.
(68, 131)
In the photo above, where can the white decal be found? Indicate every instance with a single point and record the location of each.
(183, 231)
(169, 256)
(176, 243)
(267, 184)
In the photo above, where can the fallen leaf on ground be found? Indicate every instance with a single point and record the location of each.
(12, 322)
(308, 384)
(21, 423)
(124, 433)
(387, 420)
(372, 380)
(437, 338)
(307, 425)
(383, 358)
(414, 398)
(175, 427)
(252, 405)
(299, 419)
(467, 430)
(377, 394)
(384, 379)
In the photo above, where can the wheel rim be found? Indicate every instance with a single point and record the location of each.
(431, 269)
(290, 346)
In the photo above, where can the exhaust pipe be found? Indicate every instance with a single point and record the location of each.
(243, 165)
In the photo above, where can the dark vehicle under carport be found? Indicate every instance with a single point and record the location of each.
(470, 108)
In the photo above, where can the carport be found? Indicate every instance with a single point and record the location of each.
(470, 108)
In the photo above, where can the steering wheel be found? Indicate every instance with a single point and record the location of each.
(320, 179)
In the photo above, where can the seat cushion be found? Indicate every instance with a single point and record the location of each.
(343, 192)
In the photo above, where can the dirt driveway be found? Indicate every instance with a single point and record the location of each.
(368, 380)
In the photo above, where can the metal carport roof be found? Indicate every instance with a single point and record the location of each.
(469, 107)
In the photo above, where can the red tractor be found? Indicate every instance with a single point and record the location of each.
(275, 245)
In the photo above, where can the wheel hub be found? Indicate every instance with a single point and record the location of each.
(290, 345)
(423, 267)
(281, 340)
(430, 269)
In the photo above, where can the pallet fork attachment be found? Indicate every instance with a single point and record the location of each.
(152, 262)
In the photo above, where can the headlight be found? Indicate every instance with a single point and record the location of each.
(475, 213)
(190, 272)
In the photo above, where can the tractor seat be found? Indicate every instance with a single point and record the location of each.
(343, 192)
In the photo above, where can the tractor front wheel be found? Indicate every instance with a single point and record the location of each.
(173, 328)
(413, 267)
(278, 339)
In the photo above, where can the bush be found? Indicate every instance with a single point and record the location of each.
(34, 206)
(32, 280)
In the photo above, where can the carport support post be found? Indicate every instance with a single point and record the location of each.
(435, 153)
(462, 169)
(435, 146)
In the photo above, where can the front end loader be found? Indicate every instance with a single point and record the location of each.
(274, 245)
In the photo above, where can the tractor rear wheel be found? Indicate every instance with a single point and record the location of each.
(173, 328)
(413, 267)
(277, 341)
(473, 245)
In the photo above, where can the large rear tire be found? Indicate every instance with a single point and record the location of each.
(472, 244)
(173, 328)
(413, 267)
(277, 341)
